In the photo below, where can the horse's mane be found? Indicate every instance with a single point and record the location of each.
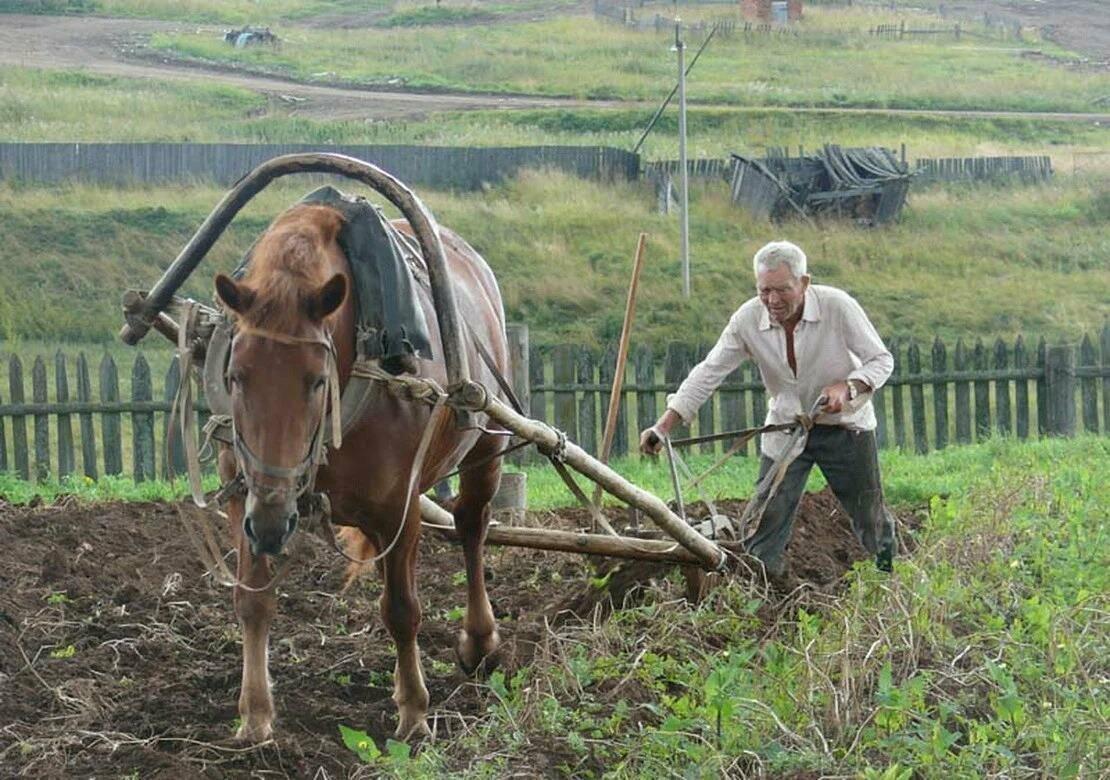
(287, 266)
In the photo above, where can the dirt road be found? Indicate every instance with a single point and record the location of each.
(108, 46)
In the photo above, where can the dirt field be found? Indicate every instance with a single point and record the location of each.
(117, 654)
(1080, 25)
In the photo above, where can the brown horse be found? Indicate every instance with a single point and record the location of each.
(293, 317)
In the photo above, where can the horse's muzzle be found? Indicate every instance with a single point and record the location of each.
(268, 527)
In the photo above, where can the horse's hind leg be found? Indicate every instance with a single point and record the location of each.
(401, 614)
(478, 640)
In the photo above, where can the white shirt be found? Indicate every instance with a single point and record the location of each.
(833, 342)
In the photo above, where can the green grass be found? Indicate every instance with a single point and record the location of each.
(962, 262)
(584, 58)
(64, 106)
(983, 655)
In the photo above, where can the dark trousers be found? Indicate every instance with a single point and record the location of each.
(850, 462)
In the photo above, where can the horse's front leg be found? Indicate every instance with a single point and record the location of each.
(401, 614)
(256, 612)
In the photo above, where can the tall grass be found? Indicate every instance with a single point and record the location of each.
(584, 58)
(67, 106)
(962, 262)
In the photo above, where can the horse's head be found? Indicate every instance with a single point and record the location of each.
(281, 363)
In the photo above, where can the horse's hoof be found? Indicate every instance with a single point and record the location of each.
(254, 733)
(412, 730)
(477, 657)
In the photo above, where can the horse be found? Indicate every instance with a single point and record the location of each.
(294, 324)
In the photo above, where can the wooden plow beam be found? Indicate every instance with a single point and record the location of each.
(474, 397)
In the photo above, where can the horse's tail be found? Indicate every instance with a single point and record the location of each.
(360, 547)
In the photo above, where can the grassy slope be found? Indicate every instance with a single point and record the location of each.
(981, 656)
(71, 106)
(586, 58)
(219, 11)
(994, 262)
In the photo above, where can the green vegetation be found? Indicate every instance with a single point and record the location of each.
(981, 655)
(585, 58)
(73, 106)
(990, 262)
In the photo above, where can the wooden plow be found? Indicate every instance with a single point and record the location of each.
(675, 540)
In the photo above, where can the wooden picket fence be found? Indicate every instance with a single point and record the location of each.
(937, 397)
(946, 396)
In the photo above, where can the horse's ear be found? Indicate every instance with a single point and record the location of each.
(234, 295)
(328, 297)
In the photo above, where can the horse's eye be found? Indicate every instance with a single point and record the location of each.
(318, 385)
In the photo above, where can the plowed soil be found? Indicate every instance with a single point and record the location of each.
(118, 654)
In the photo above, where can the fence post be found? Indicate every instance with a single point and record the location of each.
(566, 407)
(1059, 369)
(1106, 377)
(645, 377)
(517, 335)
(917, 400)
(982, 393)
(608, 370)
(587, 404)
(173, 447)
(961, 363)
(142, 423)
(1021, 390)
(1002, 389)
(110, 421)
(67, 462)
(88, 435)
(3, 444)
(1043, 425)
(42, 421)
(1089, 385)
(707, 422)
(940, 394)
(732, 407)
(19, 421)
(896, 393)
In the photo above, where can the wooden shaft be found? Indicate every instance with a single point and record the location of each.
(622, 352)
(474, 396)
(657, 550)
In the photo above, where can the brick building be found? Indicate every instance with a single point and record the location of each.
(771, 11)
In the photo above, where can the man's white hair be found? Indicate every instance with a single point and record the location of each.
(776, 253)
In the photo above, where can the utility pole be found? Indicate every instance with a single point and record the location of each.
(680, 47)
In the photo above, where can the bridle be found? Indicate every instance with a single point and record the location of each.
(300, 479)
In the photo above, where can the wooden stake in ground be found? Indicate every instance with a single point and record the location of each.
(622, 359)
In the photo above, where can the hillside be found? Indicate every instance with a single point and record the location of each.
(962, 262)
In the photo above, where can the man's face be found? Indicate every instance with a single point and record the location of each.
(782, 293)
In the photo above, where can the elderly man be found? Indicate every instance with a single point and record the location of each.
(809, 341)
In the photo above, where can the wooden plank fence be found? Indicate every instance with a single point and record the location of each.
(938, 396)
(1028, 170)
(431, 166)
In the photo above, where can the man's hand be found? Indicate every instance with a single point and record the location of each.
(836, 396)
(651, 440)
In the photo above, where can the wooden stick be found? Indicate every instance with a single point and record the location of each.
(622, 358)
(438, 519)
(475, 397)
